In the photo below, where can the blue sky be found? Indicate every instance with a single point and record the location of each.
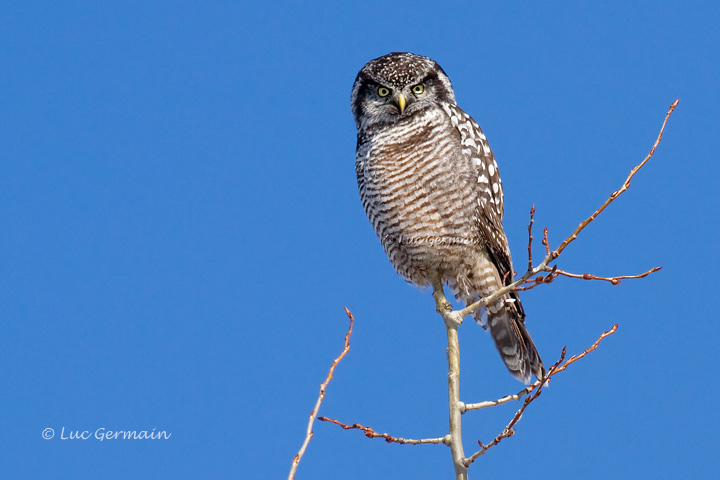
(182, 229)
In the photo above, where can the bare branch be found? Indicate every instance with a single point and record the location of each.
(370, 433)
(540, 279)
(509, 430)
(454, 404)
(452, 320)
(617, 193)
(323, 386)
(613, 280)
(555, 272)
(553, 370)
(592, 347)
(530, 237)
(505, 399)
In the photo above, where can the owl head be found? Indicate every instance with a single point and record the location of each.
(396, 86)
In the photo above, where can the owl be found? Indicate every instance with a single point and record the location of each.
(430, 186)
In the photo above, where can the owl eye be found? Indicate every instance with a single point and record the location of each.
(383, 92)
(418, 89)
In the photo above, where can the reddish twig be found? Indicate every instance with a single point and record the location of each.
(555, 272)
(540, 279)
(370, 433)
(592, 347)
(509, 431)
(616, 193)
(530, 237)
(323, 386)
(613, 280)
(526, 283)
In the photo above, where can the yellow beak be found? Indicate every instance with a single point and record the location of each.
(401, 103)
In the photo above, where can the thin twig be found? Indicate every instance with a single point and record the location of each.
(575, 358)
(613, 280)
(323, 386)
(555, 272)
(530, 237)
(617, 193)
(509, 430)
(370, 433)
(505, 399)
(553, 370)
(540, 279)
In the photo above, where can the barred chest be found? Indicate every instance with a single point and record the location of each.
(418, 193)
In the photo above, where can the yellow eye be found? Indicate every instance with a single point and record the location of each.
(383, 92)
(418, 89)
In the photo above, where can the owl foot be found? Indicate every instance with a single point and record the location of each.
(443, 307)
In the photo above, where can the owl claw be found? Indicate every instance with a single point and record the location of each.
(442, 306)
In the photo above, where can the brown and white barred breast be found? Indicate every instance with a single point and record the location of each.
(419, 195)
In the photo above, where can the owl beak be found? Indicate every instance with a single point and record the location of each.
(401, 103)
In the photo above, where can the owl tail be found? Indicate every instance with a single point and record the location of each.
(512, 339)
(505, 320)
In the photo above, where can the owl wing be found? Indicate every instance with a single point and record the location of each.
(490, 207)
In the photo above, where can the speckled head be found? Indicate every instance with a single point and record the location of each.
(383, 88)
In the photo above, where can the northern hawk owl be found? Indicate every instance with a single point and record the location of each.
(431, 189)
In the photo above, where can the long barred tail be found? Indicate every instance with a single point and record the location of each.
(513, 341)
